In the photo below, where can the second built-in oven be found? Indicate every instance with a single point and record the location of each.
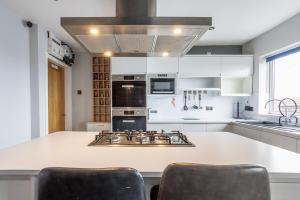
(129, 119)
(128, 91)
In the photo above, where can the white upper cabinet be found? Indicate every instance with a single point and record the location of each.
(128, 65)
(161, 65)
(200, 66)
(237, 66)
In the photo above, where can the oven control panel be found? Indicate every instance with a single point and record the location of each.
(129, 112)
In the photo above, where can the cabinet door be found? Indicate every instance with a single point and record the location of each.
(288, 143)
(270, 138)
(165, 127)
(194, 128)
(215, 127)
(97, 127)
(162, 65)
(237, 66)
(202, 66)
(128, 65)
(249, 133)
(279, 141)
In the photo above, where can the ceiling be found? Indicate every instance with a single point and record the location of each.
(236, 21)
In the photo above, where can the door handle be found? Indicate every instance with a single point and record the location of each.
(127, 86)
(128, 121)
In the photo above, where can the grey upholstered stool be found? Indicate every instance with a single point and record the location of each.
(90, 184)
(206, 182)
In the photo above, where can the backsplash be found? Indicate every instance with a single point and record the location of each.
(171, 107)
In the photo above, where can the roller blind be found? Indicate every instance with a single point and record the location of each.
(283, 54)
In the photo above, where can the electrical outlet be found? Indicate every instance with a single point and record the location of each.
(248, 108)
(209, 108)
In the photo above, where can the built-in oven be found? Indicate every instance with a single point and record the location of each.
(129, 119)
(162, 84)
(128, 91)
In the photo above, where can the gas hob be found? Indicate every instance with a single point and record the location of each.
(140, 138)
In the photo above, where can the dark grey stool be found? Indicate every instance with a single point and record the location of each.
(206, 182)
(90, 184)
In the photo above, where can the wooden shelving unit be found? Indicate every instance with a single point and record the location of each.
(101, 89)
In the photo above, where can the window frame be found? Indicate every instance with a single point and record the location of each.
(271, 72)
(271, 86)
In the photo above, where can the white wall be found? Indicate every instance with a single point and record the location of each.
(38, 80)
(15, 123)
(283, 36)
(222, 107)
(82, 80)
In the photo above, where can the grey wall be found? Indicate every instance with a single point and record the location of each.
(227, 49)
(281, 37)
(15, 123)
(82, 80)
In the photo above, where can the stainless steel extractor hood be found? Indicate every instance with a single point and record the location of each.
(137, 31)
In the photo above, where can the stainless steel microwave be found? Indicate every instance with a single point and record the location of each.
(162, 84)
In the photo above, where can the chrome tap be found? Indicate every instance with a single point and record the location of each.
(287, 119)
(280, 101)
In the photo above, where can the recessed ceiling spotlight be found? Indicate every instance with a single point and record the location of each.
(94, 31)
(165, 54)
(108, 54)
(177, 31)
(211, 28)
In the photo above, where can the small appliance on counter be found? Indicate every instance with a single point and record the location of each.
(141, 138)
(129, 102)
(160, 84)
(238, 110)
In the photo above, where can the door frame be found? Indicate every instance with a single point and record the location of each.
(68, 93)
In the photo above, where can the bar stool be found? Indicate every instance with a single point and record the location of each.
(207, 182)
(90, 184)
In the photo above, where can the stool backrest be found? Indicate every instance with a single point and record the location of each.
(90, 184)
(206, 182)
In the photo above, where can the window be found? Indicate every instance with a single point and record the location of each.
(284, 78)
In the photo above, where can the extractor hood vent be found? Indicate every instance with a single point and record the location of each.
(137, 31)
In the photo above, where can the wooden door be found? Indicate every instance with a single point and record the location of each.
(56, 98)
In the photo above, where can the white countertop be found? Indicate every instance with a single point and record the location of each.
(200, 121)
(69, 149)
(292, 134)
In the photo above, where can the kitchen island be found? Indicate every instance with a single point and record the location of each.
(20, 165)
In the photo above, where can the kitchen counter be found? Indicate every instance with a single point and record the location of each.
(198, 121)
(69, 149)
(292, 134)
(20, 164)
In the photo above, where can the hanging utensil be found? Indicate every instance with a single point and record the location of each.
(194, 99)
(185, 106)
(200, 98)
(189, 98)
